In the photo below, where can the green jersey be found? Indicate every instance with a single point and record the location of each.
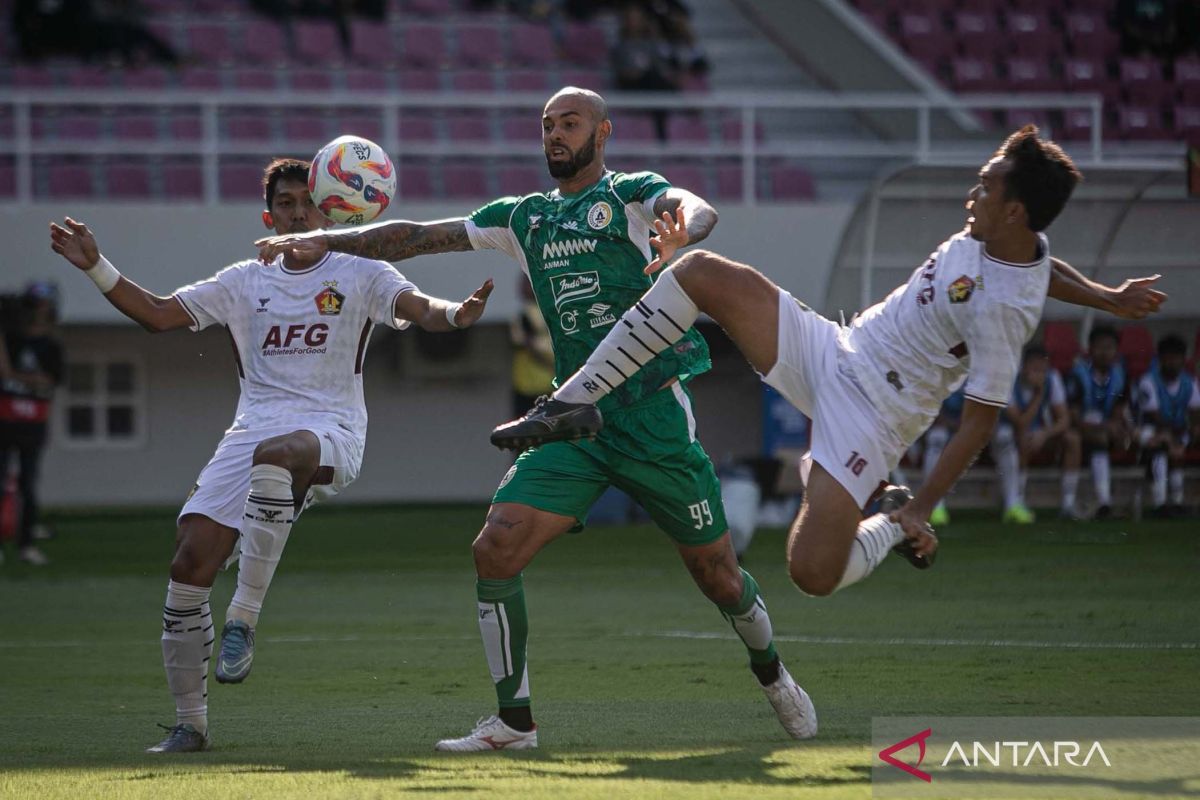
(584, 255)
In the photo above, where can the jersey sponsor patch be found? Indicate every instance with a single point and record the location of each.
(599, 215)
(574, 286)
(961, 289)
(330, 301)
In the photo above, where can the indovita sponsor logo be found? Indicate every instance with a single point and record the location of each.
(574, 286)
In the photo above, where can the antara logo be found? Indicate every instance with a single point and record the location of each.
(571, 247)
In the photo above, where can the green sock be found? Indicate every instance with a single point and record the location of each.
(504, 626)
(750, 620)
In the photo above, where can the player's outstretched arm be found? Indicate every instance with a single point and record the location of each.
(683, 218)
(974, 431)
(1134, 299)
(435, 314)
(385, 241)
(75, 242)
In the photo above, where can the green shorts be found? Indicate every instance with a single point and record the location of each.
(647, 450)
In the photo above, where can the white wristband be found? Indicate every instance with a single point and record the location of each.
(451, 313)
(104, 275)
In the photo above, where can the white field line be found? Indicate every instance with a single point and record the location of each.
(826, 640)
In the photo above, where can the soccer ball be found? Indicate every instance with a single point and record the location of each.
(352, 180)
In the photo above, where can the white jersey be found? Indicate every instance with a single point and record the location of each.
(1148, 393)
(962, 314)
(299, 337)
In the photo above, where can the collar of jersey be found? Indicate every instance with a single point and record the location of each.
(576, 195)
(315, 266)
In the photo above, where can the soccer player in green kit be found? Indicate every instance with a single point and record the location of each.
(586, 249)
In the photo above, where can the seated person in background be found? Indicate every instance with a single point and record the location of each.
(1096, 393)
(935, 441)
(1169, 409)
(1036, 425)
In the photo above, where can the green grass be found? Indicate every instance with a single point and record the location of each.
(368, 652)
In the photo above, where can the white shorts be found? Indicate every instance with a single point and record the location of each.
(220, 491)
(848, 439)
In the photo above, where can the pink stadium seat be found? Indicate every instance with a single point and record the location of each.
(89, 78)
(527, 81)
(182, 181)
(83, 125)
(256, 79)
(416, 181)
(364, 80)
(145, 78)
(186, 125)
(792, 182)
(473, 80)
(688, 176)
(1027, 21)
(417, 126)
(633, 127)
(372, 43)
(70, 180)
(424, 46)
(1030, 75)
(1136, 122)
(359, 122)
(1187, 70)
(729, 182)
(136, 125)
(264, 42)
(594, 79)
(473, 128)
(465, 181)
(1017, 118)
(431, 8)
(1077, 124)
(683, 127)
(532, 45)
(128, 179)
(8, 179)
(1061, 343)
(1084, 74)
(317, 42)
(690, 82)
(731, 130)
(1187, 121)
(309, 80)
(200, 78)
(1144, 82)
(585, 45)
(307, 125)
(240, 180)
(977, 31)
(420, 81)
(246, 126)
(971, 74)
(1141, 70)
(26, 76)
(480, 46)
(518, 128)
(521, 180)
(1136, 345)
(210, 43)
(922, 32)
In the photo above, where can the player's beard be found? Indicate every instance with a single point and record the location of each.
(578, 160)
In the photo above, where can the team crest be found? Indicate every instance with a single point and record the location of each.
(599, 215)
(508, 476)
(961, 289)
(330, 300)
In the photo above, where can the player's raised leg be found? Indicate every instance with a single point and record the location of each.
(741, 299)
(282, 469)
(201, 547)
(511, 537)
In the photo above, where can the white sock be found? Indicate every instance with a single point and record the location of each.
(1158, 474)
(657, 321)
(1177, 487)
(265, 528)
(187, 641)
(1008, 464)
(754, 625)
(1100, 477)
(1070, 485)
(876, 536)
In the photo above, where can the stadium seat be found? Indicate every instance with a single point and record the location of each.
(1062, 344)
(594, 79)
(309, 80)
(687, 175)
(88, 77)
(729, 182)
(182, 180)
(479, 46)
(527, 80)
(209, 43)
(69, 179)
(463, 181)
(416, 181)
(256, 79)
(80, 126)
(977, 32)
(519, 127)
(731, 130)
(1136, 122)
(1144, 84)
(317, 42)
(520, 180)
(585, 45)
(417, 126)
(431, 8)
(371, 43)
(921, 31)
(1136, 346)
(791, 182)
(1187, 72)
(473, 127)
(972, 74)
(419, 80)
(186, 125)
(8, 179)
(145, 78)
(1030, 75)
(1016, 118)
(308, 125)
(424, 46)
(263, 42)
(240, 179)
(27, 76)
(128, 179)
(684, 127)
(364, 80)
(245, 126)
(1187, 121)
(365, 122)
(1030, 33)
(137, 125)
(473, 80)
(532, 45)
(200, 78)
(633, 127)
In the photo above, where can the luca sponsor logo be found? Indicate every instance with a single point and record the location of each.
(574, 286)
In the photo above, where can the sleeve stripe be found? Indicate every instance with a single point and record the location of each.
(183, 303)
(411, 287)
(995, 403)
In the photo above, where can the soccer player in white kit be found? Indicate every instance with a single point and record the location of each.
(872, 387)
(300, 331)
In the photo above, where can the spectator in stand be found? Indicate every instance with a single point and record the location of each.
(35, 361)
(642, 60)
(1097, 395)
(336, 11)
(675, 20)
(1036, 425)
(1169, 408)
(1162, 28)
(90, 29)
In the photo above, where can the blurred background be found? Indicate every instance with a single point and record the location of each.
(837, 139)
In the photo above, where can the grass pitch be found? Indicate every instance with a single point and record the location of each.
(368, 652)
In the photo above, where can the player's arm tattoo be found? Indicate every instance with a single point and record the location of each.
(699, 216)
(396, 241)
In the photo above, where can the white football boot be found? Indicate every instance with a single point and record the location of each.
(792, 705)
(491, 734)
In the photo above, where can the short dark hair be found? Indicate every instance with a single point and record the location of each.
(1042, 176)
(1172, 345)
(280, 168)
(1102, 332)
(1032, 352)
